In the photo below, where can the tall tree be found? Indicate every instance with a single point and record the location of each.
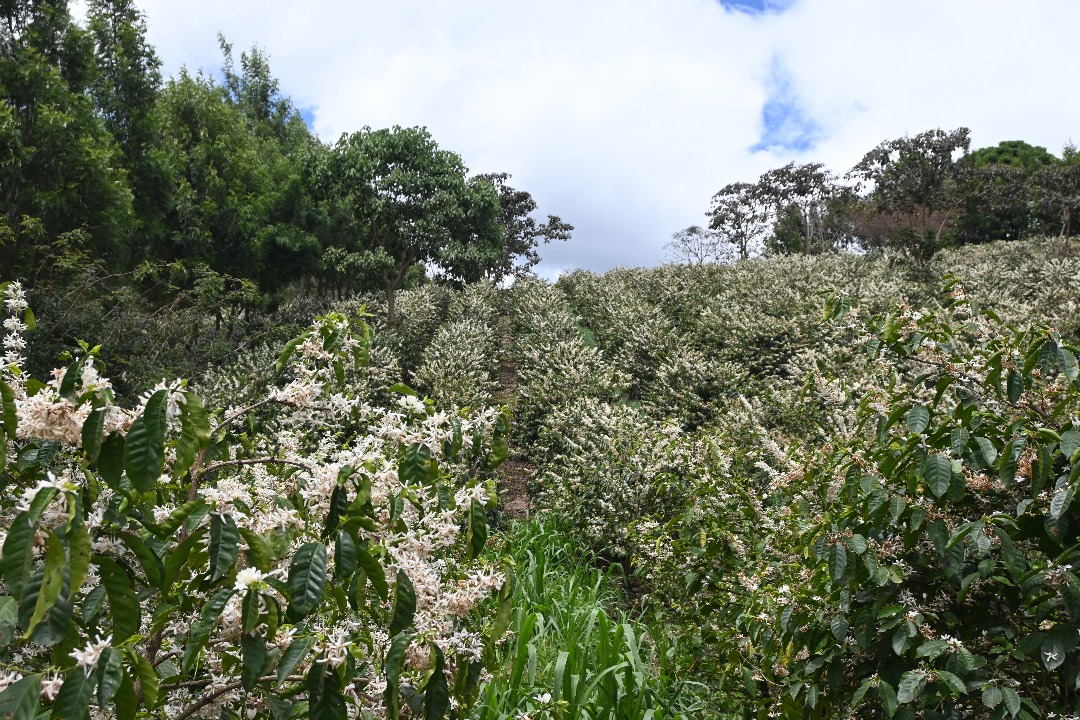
(126, 90)
(59, 169)
(411, 200)
(913, 181)
(740, 216)
(522, 234)
(1056, 194)
(802, 192)
(697, 246)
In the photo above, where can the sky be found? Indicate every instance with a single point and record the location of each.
(624, 118)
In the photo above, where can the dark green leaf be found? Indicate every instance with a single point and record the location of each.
(375, 573)
(200, 630)
(307, 578)
(837, 562)
(110, 674)
(888, 698)
(1014, 384)
(344, 555)
(918, 418)
(436, 692)
(478, 529)
(73, 700)
(1053, 652)
(92, 433)
(839, 627)
(194, 433)
(123, 602)
(258, 552)
(148, 678)
(955, 684)
(404, 604)
(293, 655)
(224, 545)
(18, 554)
(325, 699)
(911, 686)
(52, 580)
(144, 447)
(938, 473)
(253, 646)
(991, 696)
(1070, 443)
(80, 548)
(19, 700)
(110, 461)
(9, 415)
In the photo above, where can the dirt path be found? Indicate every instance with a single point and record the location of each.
(514, 473)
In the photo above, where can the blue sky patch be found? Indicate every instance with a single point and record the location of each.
(755, 7)
(785, 122)
(308, 116)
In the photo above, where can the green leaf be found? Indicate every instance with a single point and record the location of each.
(392, 670)
(307, 578)
(1012, 700)
(888, 698)
(125, 701)
(478, 529)
(837, 562)
(293, 655)
(1014, 385)
(258, 552)
(375, 573)
(144, 448)
(73, 700)
(1067, 364)
(404, 604)
(200, 631)
(325, 699)
(224, 545)
(151, 563)
(918, 418)
(10, 416)
(1070, 443)
(110, 675)
(1061, 501)
(287, 352)
(1070, 595)
(178, 516)
(15, 562)
(938, 473)
(194, 433)
(19, 700)
(110, 460)
(987, 451)
(51, 582)
(123, 602)
(911, 686)
(991, 696)
(951, 681)
(81, 548)
(92, 433)
(839, 627)
(436, 692)
(72, 376)
(253, 647)
(344, 555)
(9, 619)
(148, 678)
(1053, 653)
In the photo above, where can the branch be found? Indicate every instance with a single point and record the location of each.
(256, 461)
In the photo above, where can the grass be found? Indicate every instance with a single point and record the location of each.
(572, 653)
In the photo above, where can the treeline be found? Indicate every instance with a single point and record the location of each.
(103, 162)
(912, 194)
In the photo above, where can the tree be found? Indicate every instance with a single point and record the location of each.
(1055, 191)
(59, 168)
(739, 216)
(913, 180)
(126, 90)
(522, 234)
(696, 246)
(801, 192)
(406, 197)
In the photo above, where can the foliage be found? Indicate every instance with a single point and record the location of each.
(189, 561)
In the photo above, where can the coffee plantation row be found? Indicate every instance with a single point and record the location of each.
(833, 486)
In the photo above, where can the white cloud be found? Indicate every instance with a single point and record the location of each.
(624, 117)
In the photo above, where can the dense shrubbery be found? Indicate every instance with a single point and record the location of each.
(303, 554)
